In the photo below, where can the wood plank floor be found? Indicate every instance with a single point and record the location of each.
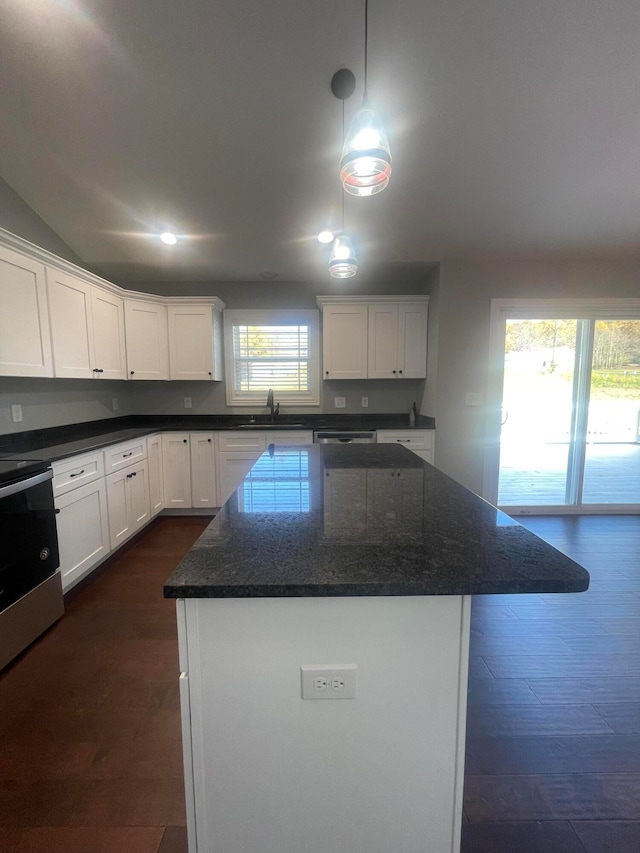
(553, 734)
(89, 715)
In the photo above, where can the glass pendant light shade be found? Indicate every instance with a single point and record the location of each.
(365, 166)
(342, 260)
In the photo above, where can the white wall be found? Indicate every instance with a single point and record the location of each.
(57, 402)
(465, 292)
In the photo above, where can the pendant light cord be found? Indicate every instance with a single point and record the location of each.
(342, 193)
(366, 43)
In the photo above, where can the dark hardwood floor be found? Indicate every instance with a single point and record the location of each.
(553, 730)
(89, 715)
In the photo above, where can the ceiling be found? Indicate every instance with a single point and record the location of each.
(514, 128)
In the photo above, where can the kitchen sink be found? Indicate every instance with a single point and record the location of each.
(269, 426)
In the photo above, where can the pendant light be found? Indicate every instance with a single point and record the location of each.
(342, 259)
(365, 166)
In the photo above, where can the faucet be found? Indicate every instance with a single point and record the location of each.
(274, 407)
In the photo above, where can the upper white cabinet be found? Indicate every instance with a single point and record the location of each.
(397, 341)
(195, 342)
(25, 342)
(374, 337)
(344, 341)
(109, 351)
(87, 328)
(147, 340)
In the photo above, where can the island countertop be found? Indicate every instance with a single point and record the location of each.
(363, 520)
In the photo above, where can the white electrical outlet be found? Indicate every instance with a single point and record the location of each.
(365, 402)
(16, 413)
(329, 681)
(340, 402)
(187, 402)
(114, 404)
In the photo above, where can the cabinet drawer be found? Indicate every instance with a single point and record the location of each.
(76, 471)
(412, 439)
(121, 455)
(228, 441)
(289, 437)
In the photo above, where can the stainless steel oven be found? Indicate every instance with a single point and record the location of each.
(30, 586)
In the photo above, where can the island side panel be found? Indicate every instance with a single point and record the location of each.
(276, 773)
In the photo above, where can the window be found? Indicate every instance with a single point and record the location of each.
(271, 349)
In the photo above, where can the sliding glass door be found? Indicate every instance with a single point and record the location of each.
(570, 415)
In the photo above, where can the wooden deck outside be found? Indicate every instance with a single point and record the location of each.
(612, 476)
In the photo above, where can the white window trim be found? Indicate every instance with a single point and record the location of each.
(273, 317)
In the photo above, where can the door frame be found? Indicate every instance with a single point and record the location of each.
(538, 309)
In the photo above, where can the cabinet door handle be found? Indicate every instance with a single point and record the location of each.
(126, 455)
(399, 371)
(326, 373)
(184, 440)
(100, 370)
(132, 372)
(393, 371)
(96, 370)
(209, 440)
(210, 373)
(77, 474)
(135, 474)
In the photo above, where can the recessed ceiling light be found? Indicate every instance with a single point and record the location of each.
(326, 237)
(169, 238)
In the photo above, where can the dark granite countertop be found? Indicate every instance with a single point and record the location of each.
(59, 442)
(331, 520)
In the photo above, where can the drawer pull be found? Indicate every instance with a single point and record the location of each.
(125, 455)
(404, 440)
(77, 474)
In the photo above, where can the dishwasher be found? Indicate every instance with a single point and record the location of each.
(344, 437)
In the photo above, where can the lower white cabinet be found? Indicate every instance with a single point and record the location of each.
(419, 441)
(128, 502)
(203, 469)
(83, 530)
(237, 454)
(156, 475)
(176, 463)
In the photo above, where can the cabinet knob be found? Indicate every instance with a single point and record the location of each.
(210, 373)
(132, 372)
(326, 373)
(399, 371)
(393, 371)
(95, 370)
(209, 440)
(184, 440)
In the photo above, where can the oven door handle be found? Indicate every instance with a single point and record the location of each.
(23, 485)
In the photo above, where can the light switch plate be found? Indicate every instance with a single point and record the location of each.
(16, 413)
(340, 402)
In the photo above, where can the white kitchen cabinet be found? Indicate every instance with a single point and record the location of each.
(237, 454)
(77, 471)
(109, 350)
(121, 455)
(419, 441)
(369, 337)
(83, 530)
(156, 476)
(87, 329)
(25, 340)
(176, 463)
(147, 339)
(397, 341)
(289, 438)
(195, 342)
(128, 502)
(344, 341)
(203, 470)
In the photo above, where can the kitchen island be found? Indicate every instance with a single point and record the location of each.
(344, 574)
